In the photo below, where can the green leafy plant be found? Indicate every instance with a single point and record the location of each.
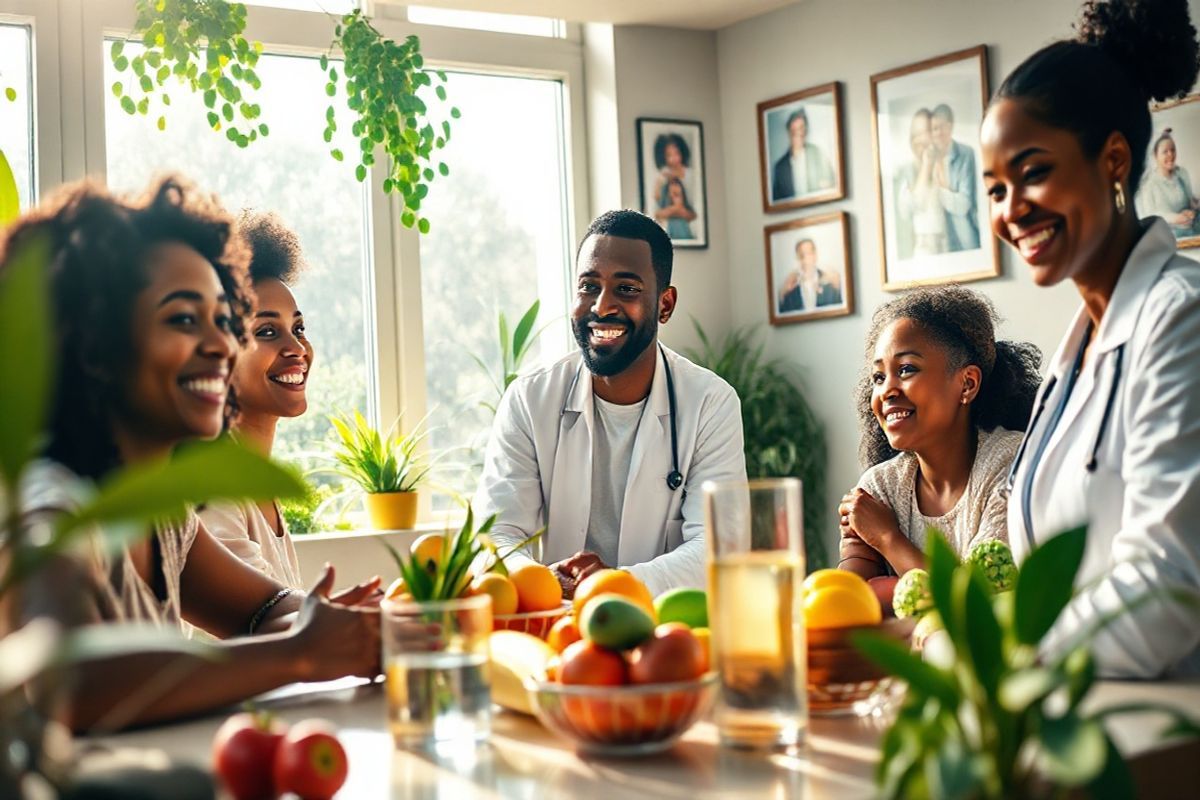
(379, 462)
(783, 437)
(199, 44)
(10, 200)
(514, 348)
(382, 80)
(997, 722)
(452, 573)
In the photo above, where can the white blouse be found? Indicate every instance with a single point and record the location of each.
(247, 534)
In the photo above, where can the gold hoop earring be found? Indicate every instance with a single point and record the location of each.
(1119, 192)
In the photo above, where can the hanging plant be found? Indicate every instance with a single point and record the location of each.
(381, 80)
(200, 44)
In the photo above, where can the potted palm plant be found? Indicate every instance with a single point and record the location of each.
(386, 466)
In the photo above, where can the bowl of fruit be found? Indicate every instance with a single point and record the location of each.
(838, 605)
(624, 674)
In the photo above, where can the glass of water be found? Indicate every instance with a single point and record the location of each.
(755, 610)
(435, 657)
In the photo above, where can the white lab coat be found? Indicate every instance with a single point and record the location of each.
(538, 467)
(1142, 501)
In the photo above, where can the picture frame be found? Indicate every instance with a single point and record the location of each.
(934, 225)
(671, 178)
(820, 246)
(814, 117)
(1166, 189)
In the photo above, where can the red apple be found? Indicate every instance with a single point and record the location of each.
(310, 761)
(244, 752)
(884, 587)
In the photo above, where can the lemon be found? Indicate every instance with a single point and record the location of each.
(427, 551)
(823, 578)
(502, 590)
(515, 657)
(841, 607)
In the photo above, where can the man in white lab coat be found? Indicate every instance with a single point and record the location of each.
(585, 446)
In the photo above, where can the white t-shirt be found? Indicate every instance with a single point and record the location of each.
(800, 172)
(613, 436)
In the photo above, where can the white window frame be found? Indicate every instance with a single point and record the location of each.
(69, 112)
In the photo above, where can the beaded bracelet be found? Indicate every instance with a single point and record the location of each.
(267, 606)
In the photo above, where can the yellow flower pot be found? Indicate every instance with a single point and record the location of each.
(392, 511)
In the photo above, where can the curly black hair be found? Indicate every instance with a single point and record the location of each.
(274, 247)
(660, 149)
(98, 247)
(963, 322)
(1126, 53)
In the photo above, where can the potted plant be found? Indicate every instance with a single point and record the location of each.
(386, 467)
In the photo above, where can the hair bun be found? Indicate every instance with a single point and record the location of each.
(1153, 40)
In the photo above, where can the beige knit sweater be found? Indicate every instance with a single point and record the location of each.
(980, 513)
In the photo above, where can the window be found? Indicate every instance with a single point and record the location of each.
(499, 241)
(487, 21)
(16, 115)
(289, 172)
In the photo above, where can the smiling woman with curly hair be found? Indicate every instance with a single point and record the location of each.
(149, 304)
(941, 405)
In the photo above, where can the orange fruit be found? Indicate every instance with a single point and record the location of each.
(591, 665)
(502, 590)
(841, 607)
(564, 633)
(704, 636)
(537, 588)
(427, 551)
(613, 581)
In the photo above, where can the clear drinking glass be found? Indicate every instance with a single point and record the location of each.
(435, 657)
(756, 568)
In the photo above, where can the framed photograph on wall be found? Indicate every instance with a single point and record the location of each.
(933, 209)
(671, 176)
(800, 148)
(1166, 189)
(809, 273)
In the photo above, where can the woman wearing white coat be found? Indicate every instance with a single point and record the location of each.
(1115, 438)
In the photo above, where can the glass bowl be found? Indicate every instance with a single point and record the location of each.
(622, 720)
(841, 680)
(535, 623)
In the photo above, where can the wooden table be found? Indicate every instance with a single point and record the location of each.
(523, 760)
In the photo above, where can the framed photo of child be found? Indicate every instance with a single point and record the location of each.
(800, 148)
(809, 273)
(933, 209)
(1167, 189)
(671, 177)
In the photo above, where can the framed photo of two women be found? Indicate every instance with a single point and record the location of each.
(933, 209)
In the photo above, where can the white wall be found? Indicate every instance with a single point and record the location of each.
(818, 41)
(672, 74)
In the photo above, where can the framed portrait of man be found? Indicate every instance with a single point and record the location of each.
(800, 148)
(933, 208)
(671, 177)
(1166, 189)
(809, 273)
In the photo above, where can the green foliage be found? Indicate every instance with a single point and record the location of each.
(993, 723)
(379, 462)
(783, 437)
(382, 80)
(299, 514)
(451, 576)
(10, 200)
(11, 94)
(199, 44)
(25, 350)
(513, 350)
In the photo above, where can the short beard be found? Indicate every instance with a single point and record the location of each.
(606, 366)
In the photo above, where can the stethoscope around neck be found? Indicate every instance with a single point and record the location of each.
(1093, 457)
(674, 477)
